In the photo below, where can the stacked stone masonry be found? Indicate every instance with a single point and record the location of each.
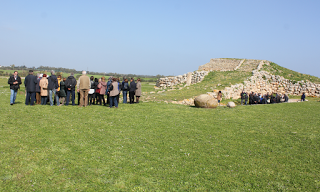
(195, 77)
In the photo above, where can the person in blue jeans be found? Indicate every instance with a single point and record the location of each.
(114, 91)
(53, 88)
(125, 89)
(14, 82)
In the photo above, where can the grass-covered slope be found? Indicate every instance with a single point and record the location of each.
(158, 147)
(289, 74)
(214, 80)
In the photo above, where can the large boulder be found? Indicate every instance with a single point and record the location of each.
(231, 104)
(205, 101)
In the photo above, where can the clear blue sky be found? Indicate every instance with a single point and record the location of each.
(158, 36)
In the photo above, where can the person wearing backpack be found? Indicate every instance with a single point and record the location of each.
(125, 89)
(53, 88)
(92, 91)
(71, 83)
(132, 90)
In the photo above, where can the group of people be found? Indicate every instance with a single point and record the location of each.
(258, 98)
(41, 89)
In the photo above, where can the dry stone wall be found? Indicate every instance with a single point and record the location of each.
(263, 82)
(194, 77)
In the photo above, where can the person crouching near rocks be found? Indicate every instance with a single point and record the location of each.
(219, 97)
(114, 91)
(138, 90)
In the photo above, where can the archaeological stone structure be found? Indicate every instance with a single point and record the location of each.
(260, 82)
(188, 79)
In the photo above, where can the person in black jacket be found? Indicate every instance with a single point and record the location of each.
(30, 83)
(14, 82)
(70, 84)
(53, 88)
(132, 90)
(125, 89)
(243, 97)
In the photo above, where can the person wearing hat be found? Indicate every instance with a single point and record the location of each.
(30, 83)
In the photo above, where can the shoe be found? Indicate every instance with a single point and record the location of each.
(11, 103)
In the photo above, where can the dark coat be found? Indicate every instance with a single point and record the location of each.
(30, 83)
(71, 82)
(53, 82)
(62, 92)
(125, 86)
(133, 86)
(12, 80)
(38, 85)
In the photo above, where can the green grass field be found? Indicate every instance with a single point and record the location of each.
(158, 147)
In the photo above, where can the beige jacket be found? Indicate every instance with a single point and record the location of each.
(84, 82)
(115, 90)
(43, 86)
(138, 90)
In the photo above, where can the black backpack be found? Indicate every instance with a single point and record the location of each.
(125, 86)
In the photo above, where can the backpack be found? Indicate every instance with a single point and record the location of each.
(110, 87)
(125, 86)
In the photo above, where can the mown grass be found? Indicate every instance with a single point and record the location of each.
(159, 147)
(289, 74)
(214, 80)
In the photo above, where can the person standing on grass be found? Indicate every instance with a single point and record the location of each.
(114, 91)
(62, 93)
(83, 88)
(219, 97)
(132, 90)
(303, 97)
(15, 82)
(92, 90)
(43, 84)
(102, 86)
(38, 95)
(30, 83)
(71, 83)
(125, 89)
(243, 96)
(107, 91)
(53, 88)
(138, 90)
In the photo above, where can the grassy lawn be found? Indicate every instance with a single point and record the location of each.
(158, 147)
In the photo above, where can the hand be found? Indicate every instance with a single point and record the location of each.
(69, 89)
(77, 90)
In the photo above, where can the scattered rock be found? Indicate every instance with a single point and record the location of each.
(231, 104)
(205, 101)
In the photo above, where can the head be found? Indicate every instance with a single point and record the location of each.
(138, 79)
(15, 73)
(44, 75)
(219, 91)
(84, 72)
(103, 79)
(52, 72)
(114, 79)
(110, 78)
(30, 72)
(132, 79)
(91, 78)
(118, 79)
(59, 76)
(64, 79)
(96, 80)
(38, 75)
(72, 74)
(126, 80)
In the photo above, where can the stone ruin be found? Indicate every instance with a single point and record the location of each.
(260, 82)
(263, 82)
(188, 79)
